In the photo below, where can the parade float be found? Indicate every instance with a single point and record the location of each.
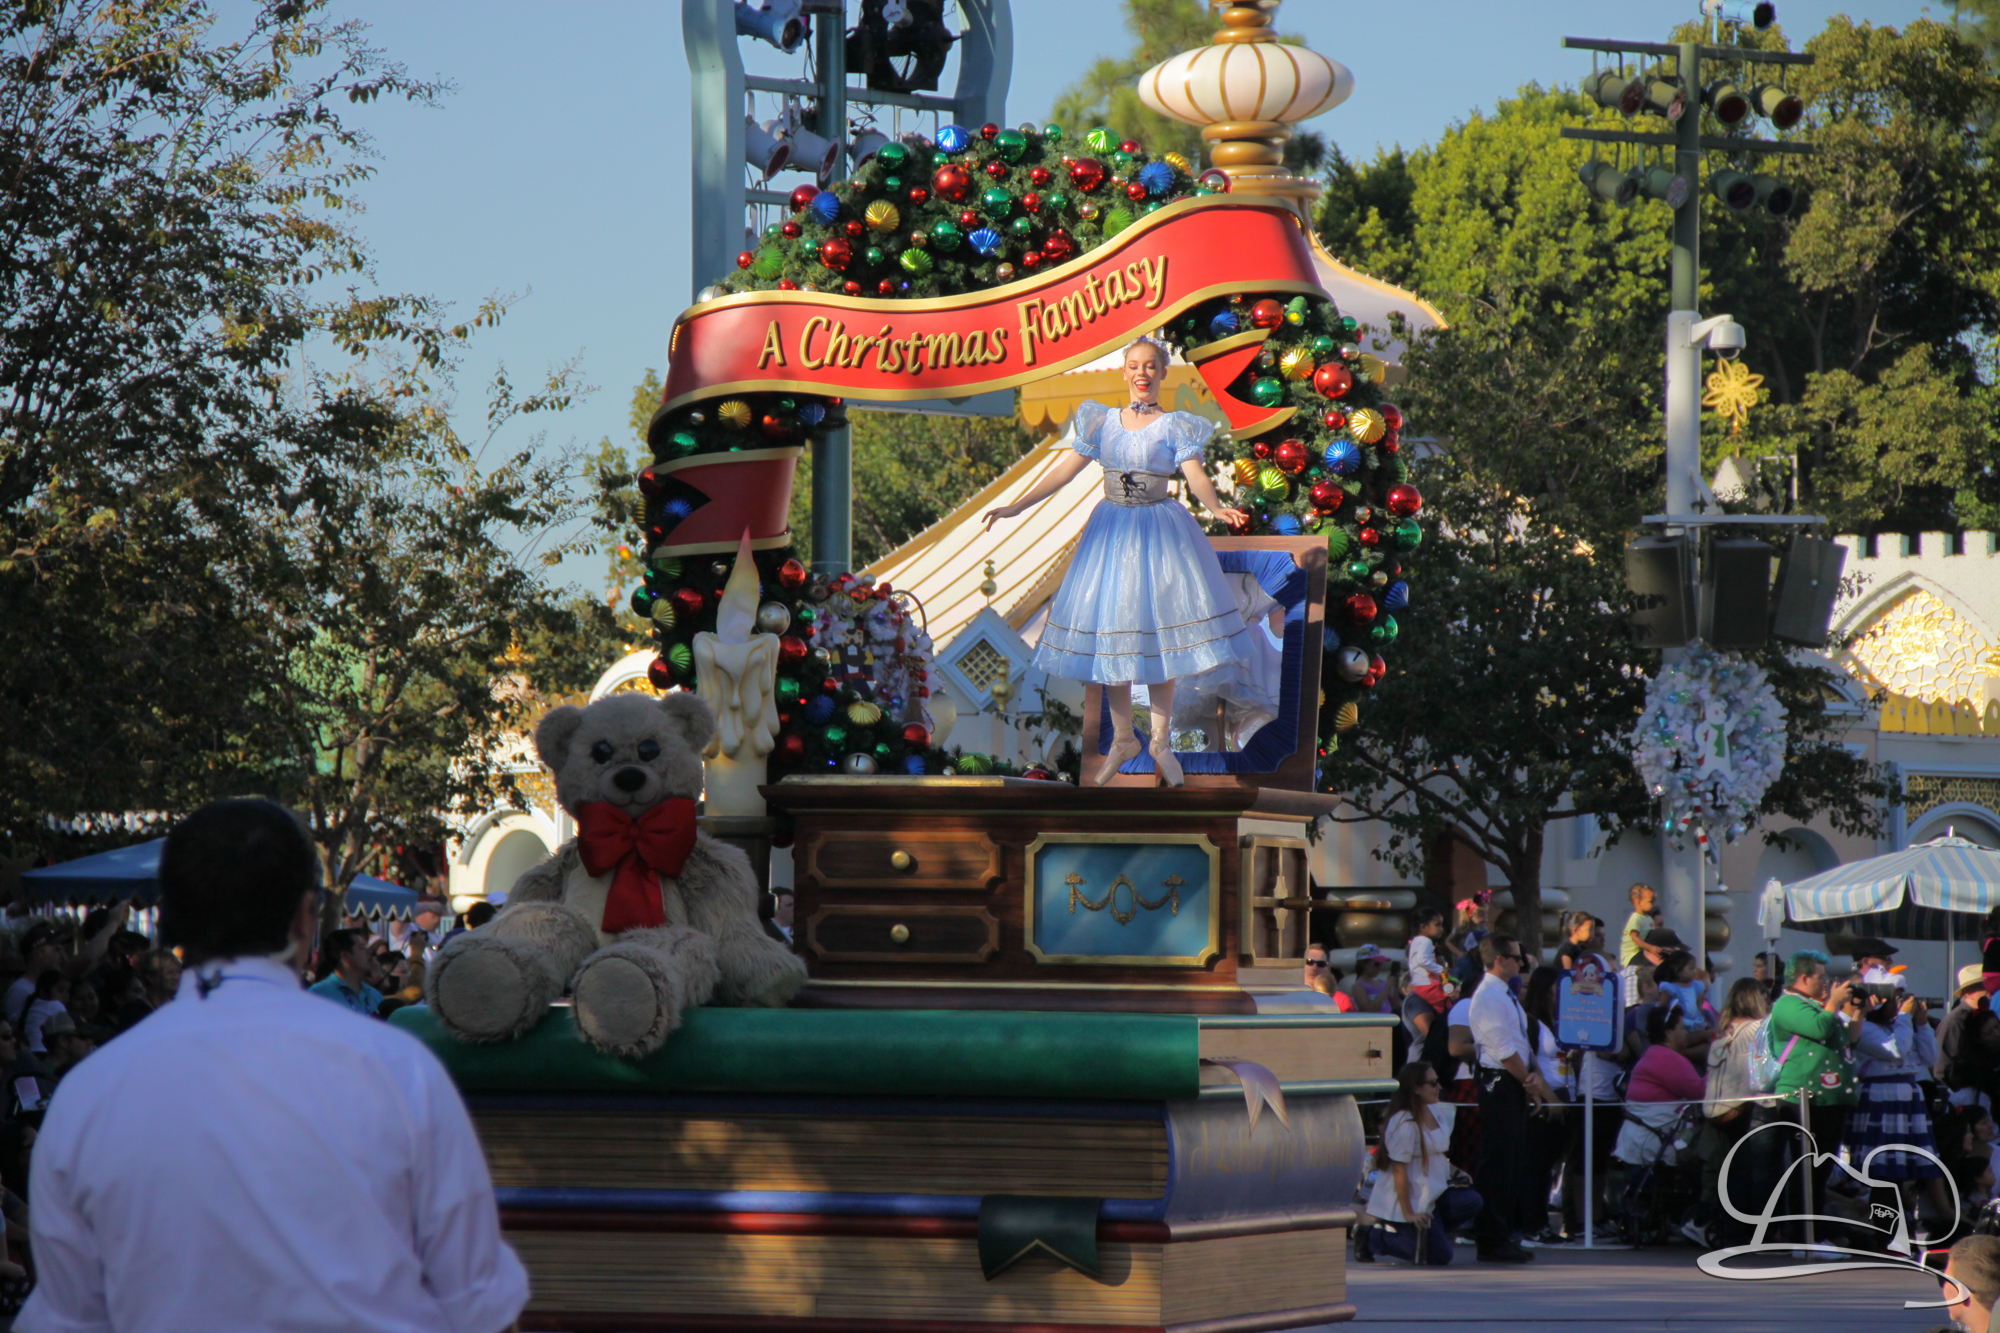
(1024, 1085)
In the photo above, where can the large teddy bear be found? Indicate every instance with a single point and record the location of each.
(639, 916)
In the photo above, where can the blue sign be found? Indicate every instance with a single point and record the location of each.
(1125, 899)
(1589, 1016)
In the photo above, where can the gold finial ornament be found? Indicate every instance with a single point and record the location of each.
(1246, 90)
(1732, 391)
(987, 587)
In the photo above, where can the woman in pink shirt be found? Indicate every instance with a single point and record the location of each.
(1663, 1074)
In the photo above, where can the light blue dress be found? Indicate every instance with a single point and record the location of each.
(1144, 599)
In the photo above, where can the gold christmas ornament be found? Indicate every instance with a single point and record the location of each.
(1347, 717)
(1297, 363)
(1371, 368)
(663, 612)
(736, 412)
(863, 714)
(1244, 470)
(1366, 424)
(882, 216)
(1178, 163)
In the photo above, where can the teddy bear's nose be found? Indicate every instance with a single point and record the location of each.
(629, 779)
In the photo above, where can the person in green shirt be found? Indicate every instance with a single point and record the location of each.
(1644, 903)
(1813, 1028)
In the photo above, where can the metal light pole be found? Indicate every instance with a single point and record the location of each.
(832, 445)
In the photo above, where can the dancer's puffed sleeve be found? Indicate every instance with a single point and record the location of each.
(1086, 427)
(1190, 436)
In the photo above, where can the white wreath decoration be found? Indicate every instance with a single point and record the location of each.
(1710, 743)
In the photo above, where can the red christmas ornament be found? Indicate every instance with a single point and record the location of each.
(1031, 202)
(997, 169)
(792, 574)
(836, 254)
(1040, 176)
(651, 483)
(1333, 381)
(886, 287)
(854, 228)
(1376, 669)
(917, 736)
(745, 260)
(1087, 174)
(952, 182)
(1267, 314)
(1392, 416)
(688, 601)
(989, 131)
(803, 197)
(1404, 500)
(1335, 419)
(1370, 536)
(968, 219)
(1328, 496)
(791, 649)
(1293, 456)
(829, 686)
(787, 285)
(1059, 246)
(776, 426)
(919, 195)
(1391, 442)
(791, 748)
(792, 230)
(1031, 260)
(1038, 774)
(1360, 608)
(660, 675)
(1135, 191)
(1131, 146)
(1261, 448)
(851, 287)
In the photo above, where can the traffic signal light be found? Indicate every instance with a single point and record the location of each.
(1733, 188)
(1616, 91)
(1776, 105)
(1609, 183)
(1773, 196)
(1727, 102)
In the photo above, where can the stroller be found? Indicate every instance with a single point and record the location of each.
(1662, 1173)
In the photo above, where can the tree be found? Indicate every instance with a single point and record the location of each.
(1106, 94)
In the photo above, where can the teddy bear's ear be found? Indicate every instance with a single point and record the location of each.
(554, 733)
(690, 715)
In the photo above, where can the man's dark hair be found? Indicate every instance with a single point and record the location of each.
(231, 877)
(334, 946)
(45, 984)
(1663, 1017)
(1493, 946)
(479, 915)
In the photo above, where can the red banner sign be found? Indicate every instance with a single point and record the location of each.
(875, 350)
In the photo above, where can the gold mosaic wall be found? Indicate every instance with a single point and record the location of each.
(1923, 793)
(1921, 649)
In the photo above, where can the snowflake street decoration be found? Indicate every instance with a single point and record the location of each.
(1709, 744)
(1732, 391)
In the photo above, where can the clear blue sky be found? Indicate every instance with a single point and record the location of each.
(557, 170)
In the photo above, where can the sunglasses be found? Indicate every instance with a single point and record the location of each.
(1315, 962)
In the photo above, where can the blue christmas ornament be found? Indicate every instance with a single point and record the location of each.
(913, 764)
(819, 709)
(676, 509)
(812, 413)
(1222, 324)
(1285, 525)
(954, 138)
(825, 206)
(1342, 458)
(1331, 641)
(1157, 177)
(1397, 597)
(985, 240)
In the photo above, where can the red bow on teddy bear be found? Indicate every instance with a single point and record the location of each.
(656, 843)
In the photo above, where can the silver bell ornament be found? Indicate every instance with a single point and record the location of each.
(1350, 664)
(858, 764)
(773, 618)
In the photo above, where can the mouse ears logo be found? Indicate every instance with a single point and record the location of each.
(1895, 1252)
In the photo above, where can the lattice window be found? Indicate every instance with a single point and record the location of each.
(1921, 649)
(984, 666)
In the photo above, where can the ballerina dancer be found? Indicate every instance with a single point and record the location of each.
(1144, 599)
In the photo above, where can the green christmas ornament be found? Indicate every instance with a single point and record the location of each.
(916, 262)
(1117, 220)
(1055, 199)
(1348, 325)
(1267, 391)
(1357, 570)
(1337, 543)
(681, 658)
(1408, 535)
(974, 763)
(1384, 632)
(770, 262)
(835, 736)
(997, 201)
(1121, 161)
(1323, 347)
(945, 236)
(1101, 140)
(892, 155)
(773, 232)
(893, 184)
(1012, 144)
(1052, 132)
(1021, 228)
(681, 443)
(642, 601)
(1271, 481)
(666, 566)
(873, 256)
(805, 615)
(882, 750)
(787, 691)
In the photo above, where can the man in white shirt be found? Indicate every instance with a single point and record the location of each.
(250, 1157)
(1509, 1086)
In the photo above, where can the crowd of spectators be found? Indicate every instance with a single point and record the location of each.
(1857, 1061)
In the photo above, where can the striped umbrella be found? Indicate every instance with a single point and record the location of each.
(1936, 890)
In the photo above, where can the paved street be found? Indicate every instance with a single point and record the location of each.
(1612, 1291)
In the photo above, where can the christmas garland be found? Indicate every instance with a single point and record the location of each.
(1710, 743)
(977, 209)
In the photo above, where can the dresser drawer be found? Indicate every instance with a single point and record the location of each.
(896, 935)
(867, 860)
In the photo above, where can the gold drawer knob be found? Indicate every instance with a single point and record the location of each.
(899, 933)
(902, 860)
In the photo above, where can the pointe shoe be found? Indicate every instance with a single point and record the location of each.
(1123, 749)
(1169, 768)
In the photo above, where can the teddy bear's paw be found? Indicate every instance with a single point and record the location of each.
(561, 936)
(627, 1000)
(489, 988)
